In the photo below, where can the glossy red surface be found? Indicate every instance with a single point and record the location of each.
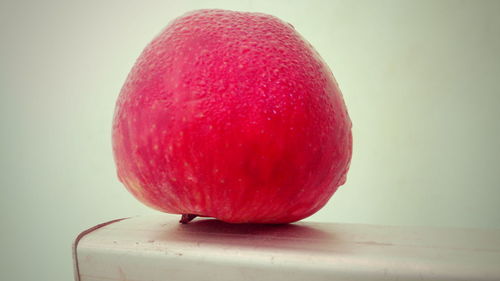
(232, 115)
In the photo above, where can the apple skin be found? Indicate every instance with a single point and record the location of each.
(235, 116)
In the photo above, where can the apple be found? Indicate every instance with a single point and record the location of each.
(231, 115)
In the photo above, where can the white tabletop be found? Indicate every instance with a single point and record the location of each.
(159, 248)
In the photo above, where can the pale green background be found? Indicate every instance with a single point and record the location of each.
(421, 80)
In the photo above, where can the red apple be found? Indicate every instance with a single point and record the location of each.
(232, 115)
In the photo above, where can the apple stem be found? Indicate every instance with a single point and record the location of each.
(187, 218)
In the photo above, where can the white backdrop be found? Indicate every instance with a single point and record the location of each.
(420, 79)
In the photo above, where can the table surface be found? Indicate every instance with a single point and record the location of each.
(157, 247)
